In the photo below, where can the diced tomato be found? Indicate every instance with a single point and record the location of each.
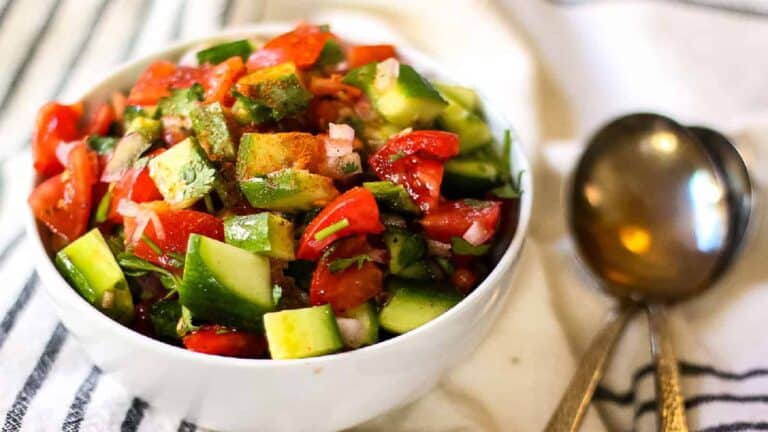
(153, 84)
(347, 288)
(101, 120)
(302, 46)
(178, 225)
(363, 54)
(118, 101)
(452, 219)
(357, 205)
(56, 123)
(332, 86)
(63, 202)
(186, 76)
(464, 279)
(137, 186)
(414, 160)
(219, 340)
(220, 78)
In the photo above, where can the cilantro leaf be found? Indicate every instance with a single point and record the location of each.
(342, 264)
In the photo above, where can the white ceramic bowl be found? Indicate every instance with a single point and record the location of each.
(316, 394)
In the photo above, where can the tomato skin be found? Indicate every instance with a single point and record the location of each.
(452, 219)
(101, 120)
(357, 205)
(220, 78)
(348, 288)
(320, 86)
(63, 203)
(414, 160)
(302, 46)
(136, 185)
(219, 340)
(178, 225)
(153, 84)
(363, 54)
(186, 76)
(464, 279)
(55, 123)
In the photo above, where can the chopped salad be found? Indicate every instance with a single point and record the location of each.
(286, 200)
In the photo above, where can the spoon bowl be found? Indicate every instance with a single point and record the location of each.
(649, 210)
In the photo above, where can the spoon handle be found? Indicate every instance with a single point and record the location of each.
(570, 412)
(671, 407)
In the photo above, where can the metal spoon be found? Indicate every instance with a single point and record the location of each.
(657, 212)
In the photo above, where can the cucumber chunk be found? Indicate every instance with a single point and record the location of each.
(211, 130)
(413, 305)
(393, 196)
(289, 190)
(264, 233)
(472, 130)
(263, 153)
(218, 53)
(182, 174)
(359, 326)
(300, 333)
(225, 284)
(404, 249)
(464, 96)
(278, 87)
(410, 101)
(89, 265)
(469, 177)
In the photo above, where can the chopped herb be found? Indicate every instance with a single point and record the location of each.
(446, 265)
(175, 259)
(511, 189)
(506, 154)
(349, 167)
(152, 245)
(397, 156)
(102, 144)
(209, 203)
(133, 111)
(476, 203)
(134, 266)
(277, 294)
(181, 102)
(185, 324)
(342, 264)
(459, 246)
(102, 210)
(141, 163)
(331, 229)
(249, 112)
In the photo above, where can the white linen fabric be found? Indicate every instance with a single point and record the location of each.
(558, 69)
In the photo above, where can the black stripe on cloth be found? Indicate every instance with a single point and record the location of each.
(186, 426)
(4, 11)
(736, 427)
(84, 41)
(226, 11)
(9, 320)
(31, 54)
(603, 394)
(76, 412)
(15, 416)
(134, 415)
(696, 401)
(11, 246)
(140, 20)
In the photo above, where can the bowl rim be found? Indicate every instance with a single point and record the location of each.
(72, 299)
